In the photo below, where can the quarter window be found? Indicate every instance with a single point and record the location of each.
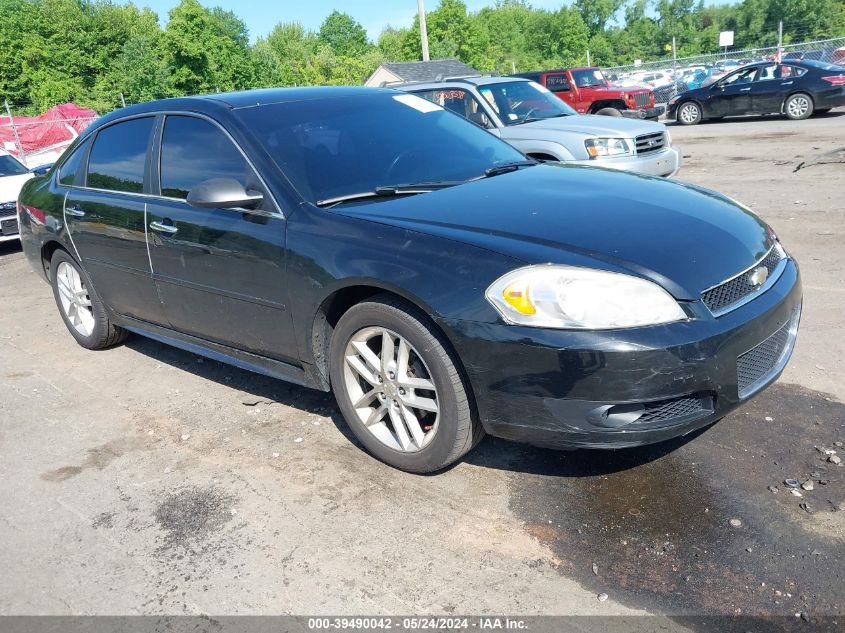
(557, 83)
(194, 150)
(119, 155)
(70, 168)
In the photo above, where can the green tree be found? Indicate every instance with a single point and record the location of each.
(341, 33)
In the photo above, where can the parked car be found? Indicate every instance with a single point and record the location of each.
(370, 242)
(837, 56)
(13, 175)
(588, 91)
(700, 78)
(651, 78)
(797, 56)
(540, 125)
(796, 89)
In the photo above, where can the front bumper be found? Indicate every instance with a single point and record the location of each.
(571, 389)
(9, 229)
(667, 162)
(644, 113)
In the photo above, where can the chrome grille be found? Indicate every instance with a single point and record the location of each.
(8, 209)
(649, 143)
(758, 365)
(642, 99)
(721, 298)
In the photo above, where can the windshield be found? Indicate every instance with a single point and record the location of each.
(337, 147)
(9, 166)
(522, 101)
(588, 78)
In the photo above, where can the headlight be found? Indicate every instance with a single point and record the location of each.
(568, 297)
(607, 147)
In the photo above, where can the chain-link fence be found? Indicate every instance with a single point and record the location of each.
(669, 75)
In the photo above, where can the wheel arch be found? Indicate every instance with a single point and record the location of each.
(619, 104)
(335, 304)
(797, 91)
(48, 249)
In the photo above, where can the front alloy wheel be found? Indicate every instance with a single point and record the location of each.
(689, 113)
(391, 389)
(399, 387)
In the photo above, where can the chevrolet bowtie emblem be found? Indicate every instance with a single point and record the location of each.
(758, 276)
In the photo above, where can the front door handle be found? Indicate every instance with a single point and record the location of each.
(75, 212)
(163, 228)
(786, 83)
(744, 89)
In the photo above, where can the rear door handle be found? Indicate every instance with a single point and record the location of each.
(75, 212)
(163, 228)
(786, 83)
(744, 89)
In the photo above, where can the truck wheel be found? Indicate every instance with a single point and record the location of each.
(689, 113)
(609, 112)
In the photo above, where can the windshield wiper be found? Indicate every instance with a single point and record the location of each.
(389, 191)
(506, 167)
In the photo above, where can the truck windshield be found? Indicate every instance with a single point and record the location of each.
(11, 167)
(523, 101)
(588, 78)
(374, 143)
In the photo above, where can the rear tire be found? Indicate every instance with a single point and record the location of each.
(798, 106)
(689, 113)
(609, 112)
(79, 304)
(377, 390)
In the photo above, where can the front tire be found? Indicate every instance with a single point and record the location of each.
(609, 112)
(399, 388)
(80, 306)
(689, 113)
(798, 107)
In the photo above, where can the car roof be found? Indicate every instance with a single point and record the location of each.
(242, 99)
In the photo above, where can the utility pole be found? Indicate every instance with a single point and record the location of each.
(423, 31)
(674, 57)
(122, 100)
(588, 57)
(21, 153)
(780, 41)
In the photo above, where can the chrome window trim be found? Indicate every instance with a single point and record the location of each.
(280, 214)
(770, 281)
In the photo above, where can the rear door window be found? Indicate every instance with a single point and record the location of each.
(119, 156)
(194, 150)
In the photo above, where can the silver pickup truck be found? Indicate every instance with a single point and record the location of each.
(532, 119)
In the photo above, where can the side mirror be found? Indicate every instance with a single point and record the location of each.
(223, 193)
(480, 119)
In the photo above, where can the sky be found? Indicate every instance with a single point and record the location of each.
(261, 16)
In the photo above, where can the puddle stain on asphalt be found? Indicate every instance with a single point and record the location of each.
(98, 457)
(190, 515)
(656, 520)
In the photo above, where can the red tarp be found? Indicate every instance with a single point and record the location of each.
(54, 129)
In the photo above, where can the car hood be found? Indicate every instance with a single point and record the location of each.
(10, 186)
(683, 237)
(590, 125)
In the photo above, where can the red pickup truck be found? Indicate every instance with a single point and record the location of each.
(589, 92)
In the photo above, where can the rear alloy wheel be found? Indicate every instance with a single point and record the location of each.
(80, 306)
(399, 389)
(798, 106)
(689, 113)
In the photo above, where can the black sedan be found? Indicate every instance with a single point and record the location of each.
(797, 89)
(437, 281)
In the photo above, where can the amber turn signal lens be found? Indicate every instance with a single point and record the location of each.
(518, 298)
